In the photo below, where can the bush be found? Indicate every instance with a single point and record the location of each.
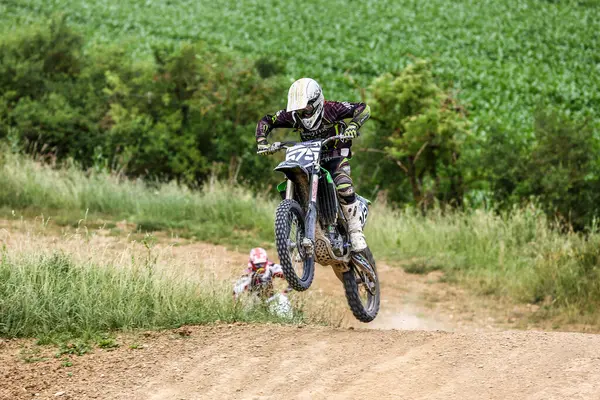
(35, 56)
(499, 164)
(423, 130)
(189, 113)
(563, 171)
(558, 168)
(40, 105)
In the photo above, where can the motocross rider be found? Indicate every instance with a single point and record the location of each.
(314, 118)
(266, 270)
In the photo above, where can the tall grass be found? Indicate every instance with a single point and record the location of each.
(215, 213)
(49, 295)
(517, 254)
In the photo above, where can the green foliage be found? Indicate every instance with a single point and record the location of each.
(188, 113)
(558, 168)
(78, 348)
(563, 170)
(31, 355)
(269, 66)
(107, 342)
(37, 72)
(66, 362)
(425, 129)
(33, 55)
(500, 162)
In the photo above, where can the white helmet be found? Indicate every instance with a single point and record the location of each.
(305, 100)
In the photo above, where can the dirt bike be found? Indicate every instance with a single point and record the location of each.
(277, 302)
(310, 227)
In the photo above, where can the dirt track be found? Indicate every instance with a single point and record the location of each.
(316, 363)
(473, 358)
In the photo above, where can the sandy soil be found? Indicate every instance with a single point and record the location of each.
(431, 340)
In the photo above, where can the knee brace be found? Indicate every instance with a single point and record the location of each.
(345, 188)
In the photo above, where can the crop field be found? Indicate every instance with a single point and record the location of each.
(503, 58)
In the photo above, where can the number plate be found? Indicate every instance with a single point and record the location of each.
(305, 153)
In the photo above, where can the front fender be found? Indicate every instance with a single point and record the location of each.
(291, 169)
(301, 178)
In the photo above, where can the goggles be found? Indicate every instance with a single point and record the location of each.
(307, 112)
(259, 266)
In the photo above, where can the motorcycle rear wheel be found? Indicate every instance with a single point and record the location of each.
(362, 292)
(289, 232)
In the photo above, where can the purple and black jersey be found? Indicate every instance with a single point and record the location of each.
(334, 113)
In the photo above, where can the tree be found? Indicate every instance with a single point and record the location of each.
(423, 129)
(563, 171)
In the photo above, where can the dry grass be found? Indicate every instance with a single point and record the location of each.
(517, 254)
(84, 284)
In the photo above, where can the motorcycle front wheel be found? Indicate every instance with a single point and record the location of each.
(298, 268)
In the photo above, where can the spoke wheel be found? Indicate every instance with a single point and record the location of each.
(362, 288)
(298, 269)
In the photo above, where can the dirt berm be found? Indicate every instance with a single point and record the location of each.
(275, 362)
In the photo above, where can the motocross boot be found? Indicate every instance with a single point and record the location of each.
(352, 214)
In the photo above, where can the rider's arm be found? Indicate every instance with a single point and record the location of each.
(282, 119)
(359, 112)
(276, 271)
(241, 286)
(266, 276)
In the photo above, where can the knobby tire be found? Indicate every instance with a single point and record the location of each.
(362, 312)
(283, 219)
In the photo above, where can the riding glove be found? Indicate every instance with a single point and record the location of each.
(263, 147)
(351, 132)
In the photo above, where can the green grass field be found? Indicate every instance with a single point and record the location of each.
(504, 58)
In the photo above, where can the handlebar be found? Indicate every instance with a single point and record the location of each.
(331, 139)
(277, 146)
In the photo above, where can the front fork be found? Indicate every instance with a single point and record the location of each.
(310, 220)
(289, 190)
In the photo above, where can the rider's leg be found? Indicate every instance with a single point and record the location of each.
(340, 170)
